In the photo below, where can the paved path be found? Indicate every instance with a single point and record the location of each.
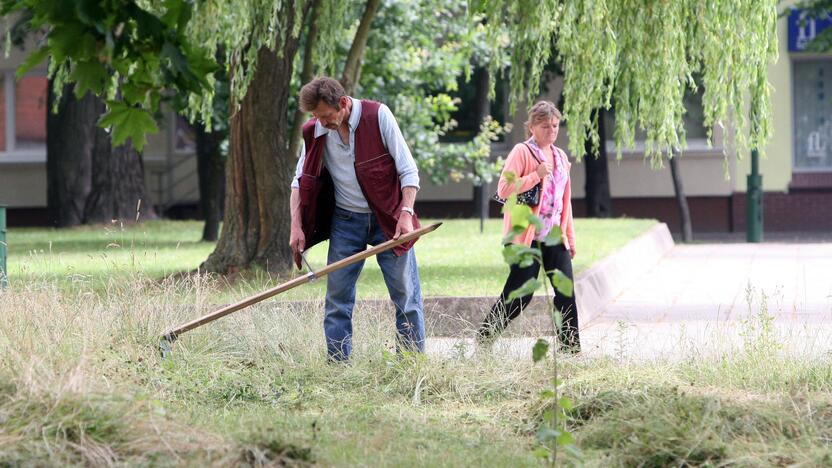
(707, 298)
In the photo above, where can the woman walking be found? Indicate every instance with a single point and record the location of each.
(538, 162)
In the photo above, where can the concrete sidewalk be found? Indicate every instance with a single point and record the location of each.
(707, 296)
(710, 298)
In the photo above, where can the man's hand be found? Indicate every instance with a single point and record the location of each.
(571, 252)
(404, 225)
(296, 239)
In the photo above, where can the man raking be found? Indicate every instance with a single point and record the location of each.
(356, 184)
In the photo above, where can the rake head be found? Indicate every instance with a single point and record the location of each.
(166, 344)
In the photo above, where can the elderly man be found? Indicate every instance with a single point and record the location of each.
(355, 184)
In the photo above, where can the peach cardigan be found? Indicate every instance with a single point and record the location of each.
(521, 162)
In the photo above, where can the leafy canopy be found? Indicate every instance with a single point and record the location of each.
(637, 56)
(125, 51)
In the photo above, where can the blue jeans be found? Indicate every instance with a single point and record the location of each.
(351, 232)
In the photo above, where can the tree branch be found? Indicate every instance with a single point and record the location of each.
(306, 74)
(352, 68)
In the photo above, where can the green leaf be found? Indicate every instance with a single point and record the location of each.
(548, 416)
(128, 122)
(565, 404)
(201, 65)
(89, 76)
(555, 236)
(539, 350)
(71, 41)
(547, 394)
(529, 287)
(541, 452)
(512, 233)
(520, 215)
(178, 13)
(32, 61)
(520, 254)
(562, 283)
(557, 317)
(135, 92)
(565, 438)
(536, 222)
(90, 12)
(148, 26)
(546, 434)
(510, 254)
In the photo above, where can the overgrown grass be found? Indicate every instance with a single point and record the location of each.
(81, 383)
(456, 260)
(257, 385)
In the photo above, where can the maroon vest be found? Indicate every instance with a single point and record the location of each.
(376, 173)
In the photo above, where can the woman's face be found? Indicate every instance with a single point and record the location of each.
(545, 132)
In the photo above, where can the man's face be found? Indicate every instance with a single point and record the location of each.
(331, 117)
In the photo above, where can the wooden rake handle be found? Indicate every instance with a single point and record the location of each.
(170, 336)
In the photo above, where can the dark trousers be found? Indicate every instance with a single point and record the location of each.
(501, 314)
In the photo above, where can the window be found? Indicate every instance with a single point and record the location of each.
(30, 113)
(184, 138)
(23, 109)
(812, 115)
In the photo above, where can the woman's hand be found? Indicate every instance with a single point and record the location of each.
(571, 252)
(542, 170)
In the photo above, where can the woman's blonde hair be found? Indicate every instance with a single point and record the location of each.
(541, 110)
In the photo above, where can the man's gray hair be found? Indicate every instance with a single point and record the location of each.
(322, 88)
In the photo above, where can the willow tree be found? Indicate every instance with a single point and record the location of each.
(329, 37)
(261, 40)
(640, 56)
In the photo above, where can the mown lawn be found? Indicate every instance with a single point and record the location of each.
(455, 260)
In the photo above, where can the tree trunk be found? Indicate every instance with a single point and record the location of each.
(482, 198)
(211, 169)
(597, 186)
(258, 172)
(684, 211)
(352, 67)
(306, 74)
(118, 189)
(70, 139)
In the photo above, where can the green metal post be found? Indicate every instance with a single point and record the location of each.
(754, 201)
(3, 250)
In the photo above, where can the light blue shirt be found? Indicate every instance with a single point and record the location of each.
(339, 158)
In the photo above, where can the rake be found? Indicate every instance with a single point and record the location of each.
(169, 337)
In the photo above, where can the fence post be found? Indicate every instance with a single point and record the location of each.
(4, 280)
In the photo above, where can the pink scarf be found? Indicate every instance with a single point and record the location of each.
(551, 199)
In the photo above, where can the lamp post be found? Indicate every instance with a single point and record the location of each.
(754, 201)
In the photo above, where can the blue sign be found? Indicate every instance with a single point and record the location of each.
(802, 29)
